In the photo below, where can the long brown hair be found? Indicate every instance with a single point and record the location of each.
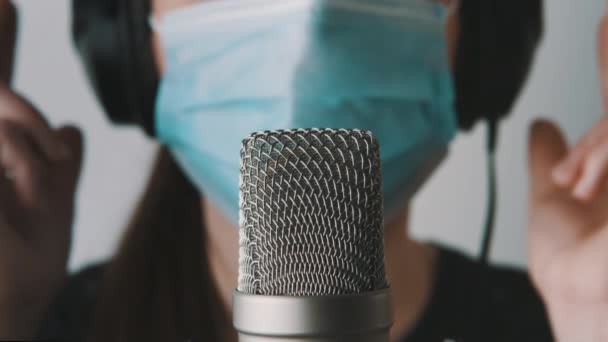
(158, 286)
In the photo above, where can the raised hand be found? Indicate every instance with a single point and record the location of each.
(568, 230)
(39, 168)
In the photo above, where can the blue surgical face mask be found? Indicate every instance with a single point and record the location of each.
(238, 66)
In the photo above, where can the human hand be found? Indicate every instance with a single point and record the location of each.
(568, 230)
(39, 168)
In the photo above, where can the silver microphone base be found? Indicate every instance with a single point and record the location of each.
(353, 318)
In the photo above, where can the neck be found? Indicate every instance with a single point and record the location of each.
(409, 266)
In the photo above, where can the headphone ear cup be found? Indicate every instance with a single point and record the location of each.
(113, 39)
(497, 44)
(97, 37)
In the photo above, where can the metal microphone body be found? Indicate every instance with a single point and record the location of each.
(354, 318)
(311, 258)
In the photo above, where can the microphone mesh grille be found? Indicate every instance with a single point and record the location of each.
(311, 220)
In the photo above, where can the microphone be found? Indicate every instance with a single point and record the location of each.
(311, 256)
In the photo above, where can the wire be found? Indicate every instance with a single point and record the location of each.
(490, 223)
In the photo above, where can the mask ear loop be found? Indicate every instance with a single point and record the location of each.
(490, 223)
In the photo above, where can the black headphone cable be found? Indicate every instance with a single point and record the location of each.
(490, 223)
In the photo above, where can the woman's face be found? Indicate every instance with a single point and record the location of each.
(159, 7)
(223, 193)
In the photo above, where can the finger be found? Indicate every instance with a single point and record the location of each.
(11, 208)
(23, 162)
(594, 173)
(547, 147)
(8, 196)
(17, 109)
(602, 48)
(69, 169)
(8, 37)
(569, 170)
(566, 173)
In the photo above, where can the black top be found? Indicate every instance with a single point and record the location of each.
(469, 303)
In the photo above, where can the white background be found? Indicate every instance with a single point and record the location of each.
(563, 86)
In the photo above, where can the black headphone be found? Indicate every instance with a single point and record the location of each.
(497, 43)
(113, 38)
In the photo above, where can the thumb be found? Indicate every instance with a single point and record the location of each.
(70, 168)
(547, 147)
